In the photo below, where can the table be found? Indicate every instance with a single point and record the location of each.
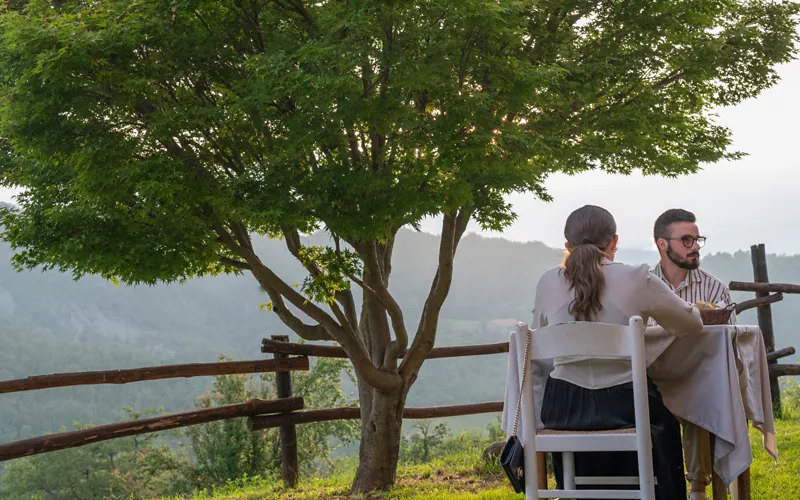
(719, 380)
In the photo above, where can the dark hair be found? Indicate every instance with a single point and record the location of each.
(589, 230)
(671, 216)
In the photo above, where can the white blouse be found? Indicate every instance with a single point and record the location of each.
(629, 291)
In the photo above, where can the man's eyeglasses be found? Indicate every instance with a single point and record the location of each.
(688, 241)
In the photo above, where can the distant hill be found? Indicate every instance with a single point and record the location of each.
(50, 323)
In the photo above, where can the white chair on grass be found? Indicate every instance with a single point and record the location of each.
(595, 340)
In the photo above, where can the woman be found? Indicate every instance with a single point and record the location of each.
(597, 394)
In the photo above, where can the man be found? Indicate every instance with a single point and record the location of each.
(679, 243)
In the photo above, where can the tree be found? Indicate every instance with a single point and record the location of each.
(418, 447)
(151, 139)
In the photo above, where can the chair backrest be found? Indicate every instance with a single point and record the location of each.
(580, 338)
(593, 340)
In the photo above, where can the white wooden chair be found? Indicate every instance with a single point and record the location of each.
(588, 339)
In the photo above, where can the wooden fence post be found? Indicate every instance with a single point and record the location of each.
(288, 433)
(758, 256)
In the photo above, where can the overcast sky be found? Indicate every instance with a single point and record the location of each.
(753, 200)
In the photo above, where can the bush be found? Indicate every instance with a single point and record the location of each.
(432, 442)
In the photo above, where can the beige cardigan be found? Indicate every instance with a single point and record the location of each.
(629, 291)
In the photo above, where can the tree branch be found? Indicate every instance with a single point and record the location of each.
(304, 330)
(278, 289)
(462, 220)
(251, 18)
(374, 321)
(241, 234)
(674, 76)
(238, 264)
(381, 292)
(342, 318)
(297, 7)
(352, 345)
(355, 154)
(453, 227)
(292, 238)
(345, 297)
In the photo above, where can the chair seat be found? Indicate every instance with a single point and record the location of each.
(595, 494)
(548, 440)
(553, 432)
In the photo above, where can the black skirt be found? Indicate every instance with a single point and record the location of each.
(567, 406)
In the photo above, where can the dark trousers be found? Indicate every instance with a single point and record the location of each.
(567, 406)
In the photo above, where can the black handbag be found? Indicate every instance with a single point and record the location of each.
(512, 458)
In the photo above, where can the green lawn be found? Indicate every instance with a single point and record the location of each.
(781, 480)
(464, 476)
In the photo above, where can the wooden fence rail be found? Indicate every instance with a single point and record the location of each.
(778, 370)
(780, 353)
(63, 440)
(152, 373)
(758, 302)
(746, 286)
(327, 351)
(261, 422)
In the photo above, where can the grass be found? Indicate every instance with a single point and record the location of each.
(781, 480)
(464, 476)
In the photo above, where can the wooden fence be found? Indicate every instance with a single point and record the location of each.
(72, 439)
(284, 412)
(766, 294)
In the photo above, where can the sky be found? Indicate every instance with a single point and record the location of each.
(738, 204)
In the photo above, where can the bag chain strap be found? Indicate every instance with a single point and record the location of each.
(526, 362)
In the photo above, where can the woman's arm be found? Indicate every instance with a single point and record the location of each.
(539, 317)
(670, 311)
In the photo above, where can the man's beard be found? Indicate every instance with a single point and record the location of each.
(684, 263)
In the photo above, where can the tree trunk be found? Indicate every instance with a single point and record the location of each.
(379, 448)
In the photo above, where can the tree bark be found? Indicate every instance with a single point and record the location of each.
(379, 448)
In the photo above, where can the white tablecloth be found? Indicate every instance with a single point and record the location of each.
(754, 382)
(716, 379)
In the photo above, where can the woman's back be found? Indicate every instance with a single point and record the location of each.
(628, 291)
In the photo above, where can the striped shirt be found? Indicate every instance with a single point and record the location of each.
(699, 286)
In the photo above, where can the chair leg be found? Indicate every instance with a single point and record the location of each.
(743, 484)
(568, 464)
(541, 463)
(718, 489)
